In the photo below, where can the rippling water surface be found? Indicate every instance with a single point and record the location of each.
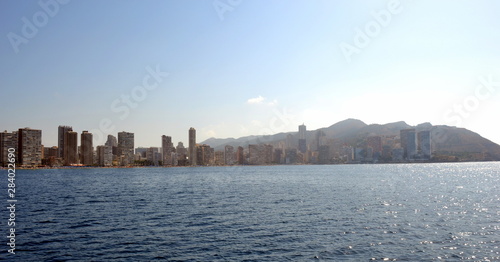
(408, 212)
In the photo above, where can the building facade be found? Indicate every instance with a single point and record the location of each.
(261, 154)
(229, 155)
(70, 148)
(6, 142)
(29, 147)
(126, 147)
(302, 138)
(87, 154)
(167, 148)
(104, 156)
(192, 152)
(61, 131)
(424, 144)
(408, 143)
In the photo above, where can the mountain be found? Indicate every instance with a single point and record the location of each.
(460, 141)
(447, 141)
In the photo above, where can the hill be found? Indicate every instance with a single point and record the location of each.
(446, 140)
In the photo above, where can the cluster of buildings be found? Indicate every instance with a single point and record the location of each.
(317, 148)
(409, 146)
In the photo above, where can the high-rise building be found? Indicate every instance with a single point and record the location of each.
(167, 147)
(240, 156)
(291, 156)
(424, 144)
(15, 140)
(104, 156)
(205, 155)
(141, 151)
(229, 155)
(192, 146)
(61, 131)
(319, 137)
(70, 148)
(50, 156)
(126, 147)
(113, 143)
(180, 156)
(219, 158)
(29, 147)
(411, 145)
(408, 143)
(302, 138)
(6, 142)
(153, 155)
(181, 151)
(87, 148)
(261, 154)
(324, 154)
(278, 156)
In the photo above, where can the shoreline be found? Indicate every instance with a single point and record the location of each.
(103, 167)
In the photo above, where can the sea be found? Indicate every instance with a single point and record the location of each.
(386, 212)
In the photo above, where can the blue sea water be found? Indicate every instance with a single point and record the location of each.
(400, 212)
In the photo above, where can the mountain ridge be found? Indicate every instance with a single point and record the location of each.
(446, 140)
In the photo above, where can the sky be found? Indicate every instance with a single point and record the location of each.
(232, 68)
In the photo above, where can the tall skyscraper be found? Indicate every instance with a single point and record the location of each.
(87, 148)
(29, 147)
(324, 154)
(192, 146)
(126, 147)
(302, 138)
(205, 155)
(70, 148)
(6, 142)
(411, 145)
(181, 151)
(229, 158)
(153, 155)
(408, 143)
(104, 156)
(61, 130)
(424, 144)
(113, 143)
(167, 147)
(240, 156)
(181, 155)
(319, 139)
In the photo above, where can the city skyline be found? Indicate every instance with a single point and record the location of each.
(167, 140)
(410, 146)
(158, 68)
(347, 142)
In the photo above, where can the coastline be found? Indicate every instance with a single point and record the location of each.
(120, 167)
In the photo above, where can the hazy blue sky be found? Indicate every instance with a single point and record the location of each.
(245, 67)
